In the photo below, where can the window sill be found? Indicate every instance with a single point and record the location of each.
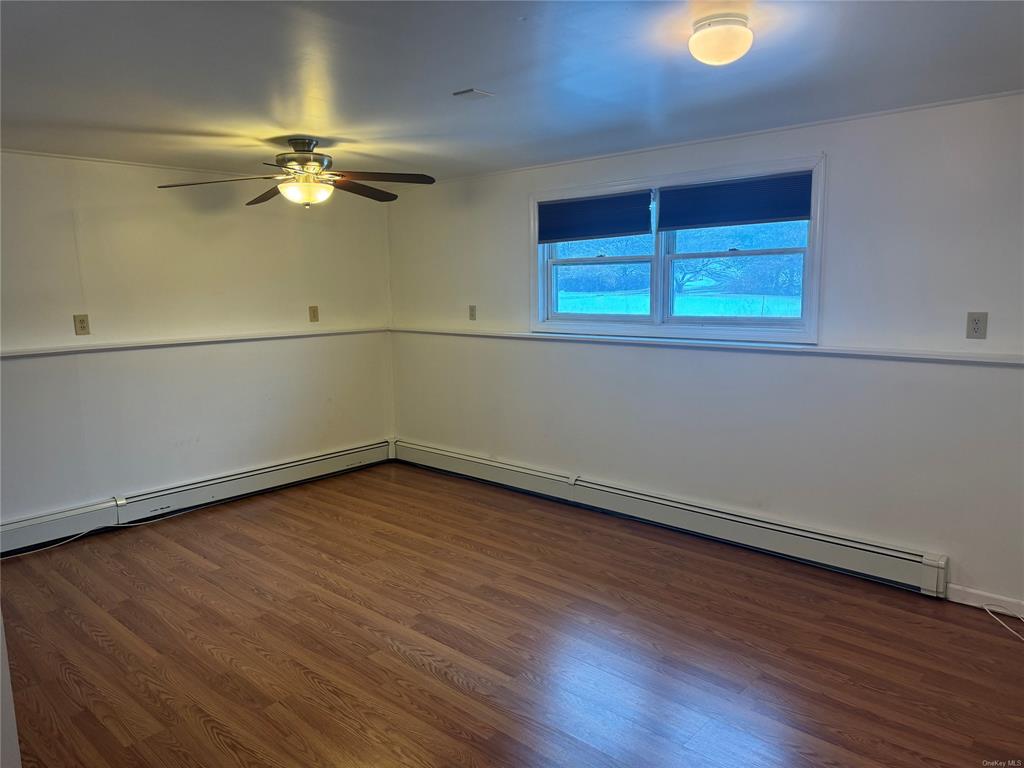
(765, 333)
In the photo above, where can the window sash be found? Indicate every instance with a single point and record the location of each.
(733, 320)
(552, 313)
(598, 260)
(551, 254)
(735, 252)
(661, 311)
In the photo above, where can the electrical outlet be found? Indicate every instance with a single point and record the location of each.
(81, 325)
(472, 311)
(977, 325)
(314, 313)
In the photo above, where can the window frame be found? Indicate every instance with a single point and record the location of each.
(660, 323)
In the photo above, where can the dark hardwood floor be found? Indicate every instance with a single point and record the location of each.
(399, 617)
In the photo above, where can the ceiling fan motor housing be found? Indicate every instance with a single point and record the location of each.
(303, 157)
(308, 162)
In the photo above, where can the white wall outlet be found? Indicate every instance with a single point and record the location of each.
(314, 313)
(81, 325)
(472, 311)
(977, 325)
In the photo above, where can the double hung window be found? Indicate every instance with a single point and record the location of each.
(726, 259)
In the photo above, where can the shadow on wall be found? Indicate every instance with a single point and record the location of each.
(215, 198)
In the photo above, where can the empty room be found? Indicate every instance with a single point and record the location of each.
(512, 384)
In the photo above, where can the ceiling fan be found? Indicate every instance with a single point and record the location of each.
(306, 177)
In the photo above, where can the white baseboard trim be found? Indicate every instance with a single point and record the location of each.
(968, 596)
(40, 529)
(916, 570)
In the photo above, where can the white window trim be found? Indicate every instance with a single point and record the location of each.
(801, 331)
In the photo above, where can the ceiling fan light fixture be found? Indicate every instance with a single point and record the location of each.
(721, 38)
(304, 190)
(307, 179)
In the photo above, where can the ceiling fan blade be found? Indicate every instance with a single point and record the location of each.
(268, 195)
(217, 181)
(361, 189)
(403, 178)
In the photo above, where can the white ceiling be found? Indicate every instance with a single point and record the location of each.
(215, 85)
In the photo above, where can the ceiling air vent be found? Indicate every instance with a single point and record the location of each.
(472, 94)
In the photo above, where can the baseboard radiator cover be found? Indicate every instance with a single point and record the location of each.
(915, 570)
(39, 529)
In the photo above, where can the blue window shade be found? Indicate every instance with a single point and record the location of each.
(588, 217)
(784, 197)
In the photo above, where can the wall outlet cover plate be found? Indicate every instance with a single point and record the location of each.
(81, 325)
(977, 325)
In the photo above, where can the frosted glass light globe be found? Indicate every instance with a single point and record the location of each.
(306, 191)
(721, 39)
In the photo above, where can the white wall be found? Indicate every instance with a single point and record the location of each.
(151, 265)
(148, 263)
(85, 427)
(923, 455)
(923, 223)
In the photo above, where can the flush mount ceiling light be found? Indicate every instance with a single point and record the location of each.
(721, 38)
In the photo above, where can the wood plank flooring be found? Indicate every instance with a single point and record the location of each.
(399, 617)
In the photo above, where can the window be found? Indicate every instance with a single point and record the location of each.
(722, 259)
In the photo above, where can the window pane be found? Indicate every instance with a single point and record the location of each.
(738, 286)
(743, 237)
(631, 245)
(602, 289)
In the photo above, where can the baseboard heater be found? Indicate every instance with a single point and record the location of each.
(39, 529)
(918, 571)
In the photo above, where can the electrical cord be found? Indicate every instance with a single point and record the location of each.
(105, 527)
(988, 609)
